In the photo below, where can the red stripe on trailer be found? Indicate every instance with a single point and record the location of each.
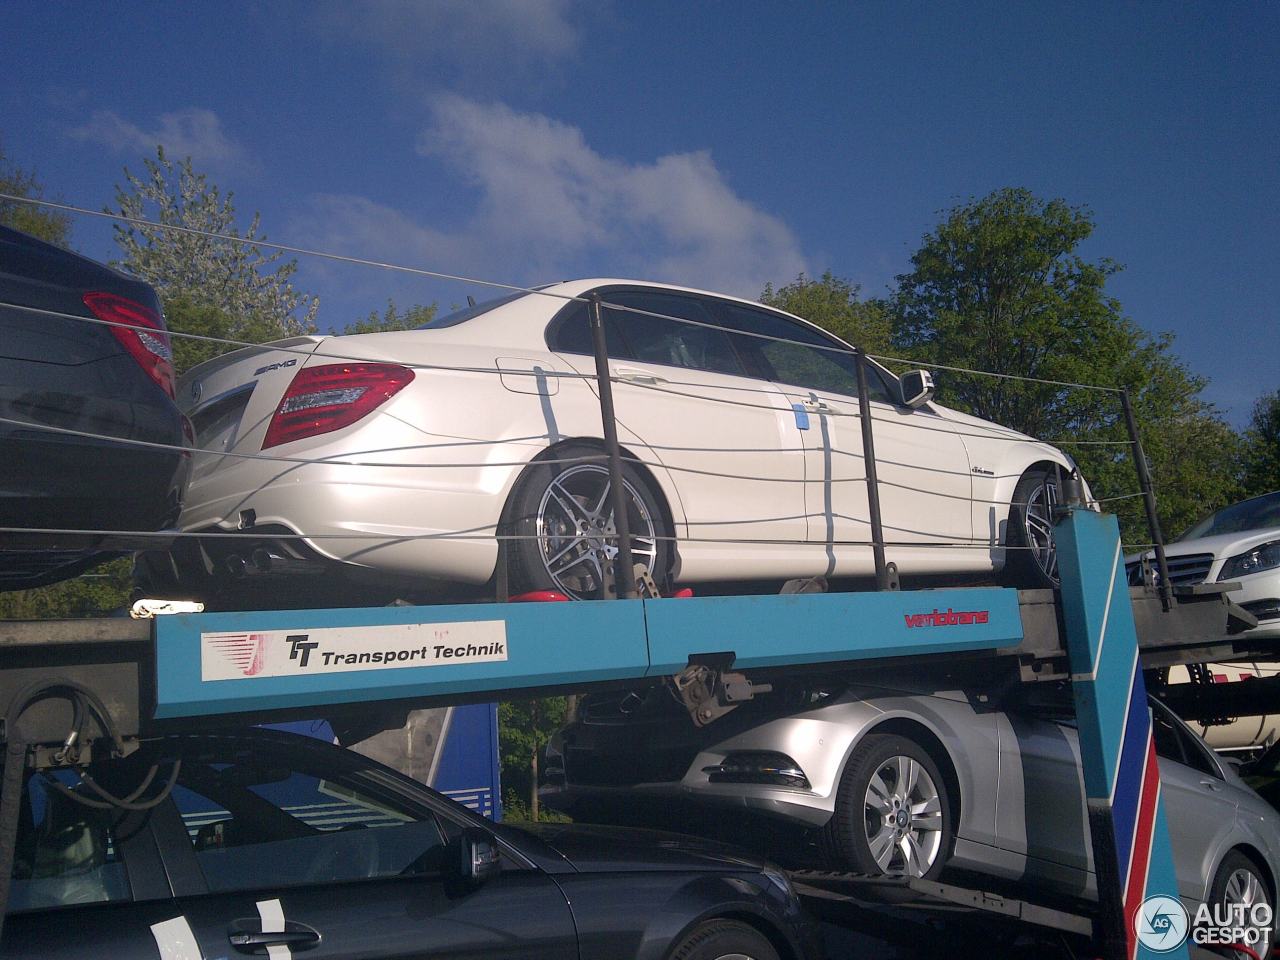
(1140, 860)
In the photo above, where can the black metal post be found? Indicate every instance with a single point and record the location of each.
(624, 574)
(1148, 499)
(869, 461)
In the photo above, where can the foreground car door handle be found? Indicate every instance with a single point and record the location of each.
(1211, 784)
(247, 936)
(819, 406)
(632, 375)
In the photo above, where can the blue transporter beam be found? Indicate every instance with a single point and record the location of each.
(1137, 890)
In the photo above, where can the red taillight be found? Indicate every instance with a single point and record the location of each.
(323, 399)
(145, 336)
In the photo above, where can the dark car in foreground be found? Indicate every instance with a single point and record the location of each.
(87, 378)
(236, 842)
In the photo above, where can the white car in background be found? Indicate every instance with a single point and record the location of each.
(1238, 544)
(399, 455)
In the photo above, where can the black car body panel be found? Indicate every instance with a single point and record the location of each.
(356, 859)
(599, 849)
(77, 376)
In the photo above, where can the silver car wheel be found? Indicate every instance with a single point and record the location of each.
(903, 816)
(1244, 889)
(577, 537)
(1037, 523)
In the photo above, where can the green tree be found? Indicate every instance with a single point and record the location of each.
(524, 727)
(392, 319)
(1262, 447)
(221, 287)
(49, 225)
(999, 286)
(832, 303)
(94, 594)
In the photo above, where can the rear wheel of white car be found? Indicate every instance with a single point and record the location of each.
(561, 517)
(1241, 886)
(892, 815)
(1032, 560)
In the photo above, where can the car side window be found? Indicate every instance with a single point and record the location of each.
(254, 823)
(66, 852)
(1195, 754)
(650, 339)
(569, 332)
(655, 339)
(796, 358)
(1168, 742)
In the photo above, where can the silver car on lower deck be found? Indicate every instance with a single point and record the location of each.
(899, 779)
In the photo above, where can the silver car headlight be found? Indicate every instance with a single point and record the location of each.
(1263, 557)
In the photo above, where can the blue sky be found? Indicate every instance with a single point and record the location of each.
(717, 144)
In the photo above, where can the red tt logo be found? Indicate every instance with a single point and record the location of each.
(244, 650)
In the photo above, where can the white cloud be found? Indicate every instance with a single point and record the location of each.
(191, 132)
(463, 33)
(549, 206)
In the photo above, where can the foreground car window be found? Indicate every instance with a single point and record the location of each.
(66, 852)
(253, 824)
(798, 365)
(650, 339)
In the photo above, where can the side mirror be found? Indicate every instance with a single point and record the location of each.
(478, 856)
(917, 388)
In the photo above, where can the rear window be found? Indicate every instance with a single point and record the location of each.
(470, 313)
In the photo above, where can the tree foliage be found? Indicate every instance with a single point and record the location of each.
(524, 727)
(1262, 446)
(832, 303)
(49, 225)
(999, 286)
(392, 319)
(98, 593)
(243, 292)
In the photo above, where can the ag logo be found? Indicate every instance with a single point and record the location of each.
(1161, 924)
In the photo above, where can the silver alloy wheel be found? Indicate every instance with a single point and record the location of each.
(903, 815)
(1244, 888)
(1037, 525)
(577, 537)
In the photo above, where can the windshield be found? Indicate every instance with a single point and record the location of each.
(1260, 513)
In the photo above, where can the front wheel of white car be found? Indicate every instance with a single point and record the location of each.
(561, 520)
(1032, 552)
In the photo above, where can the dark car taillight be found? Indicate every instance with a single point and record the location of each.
(324, 399)
(143, 334)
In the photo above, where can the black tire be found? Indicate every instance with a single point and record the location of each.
(1229, 886)
(717, 939)
(927, 831)
(538, 515)
(1032, 559)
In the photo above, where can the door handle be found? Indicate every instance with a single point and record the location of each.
(247, 936)
(1211, 784)
(819, 406)
(632, 375)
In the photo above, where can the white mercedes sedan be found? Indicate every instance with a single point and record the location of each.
(407, 457)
